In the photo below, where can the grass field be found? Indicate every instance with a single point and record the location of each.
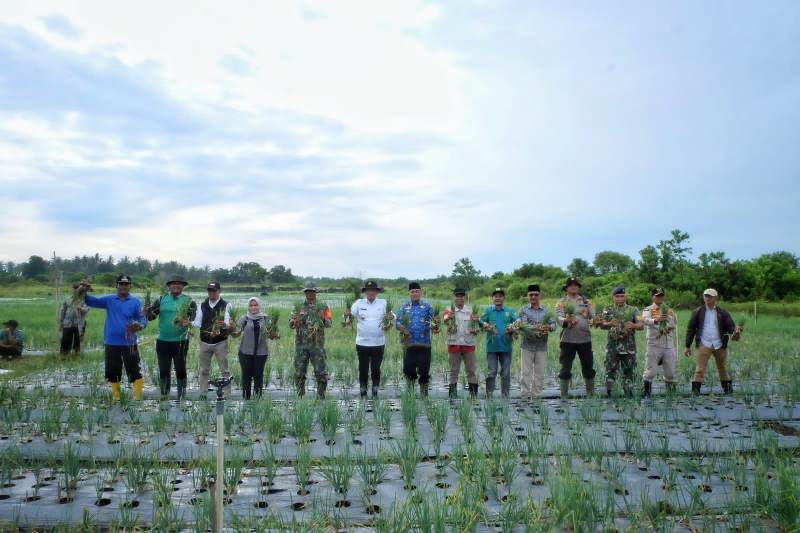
(399, 463)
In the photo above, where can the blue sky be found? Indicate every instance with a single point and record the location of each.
(388, 139)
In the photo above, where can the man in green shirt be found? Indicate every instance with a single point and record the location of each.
(175, 312)
(496, 320)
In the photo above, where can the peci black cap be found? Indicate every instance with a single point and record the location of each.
(414, 285)
(214, 286)
(533, 288)
(459, 292)
(371, 285)
(123, 278)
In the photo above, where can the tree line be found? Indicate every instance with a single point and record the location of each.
(667, 263)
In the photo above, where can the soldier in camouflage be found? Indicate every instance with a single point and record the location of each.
(621, 320)
(309, 323)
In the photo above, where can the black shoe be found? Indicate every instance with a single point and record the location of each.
(166, 385)
(181, 388)
(608, 393)
(473, 390)
(374, 391)
(363, 392)
(727, 387)
(648, 389)
(696, 388)
(453, 390)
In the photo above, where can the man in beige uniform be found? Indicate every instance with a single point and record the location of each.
(660, 324)
(461, 342)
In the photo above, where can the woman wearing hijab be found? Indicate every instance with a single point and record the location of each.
(253, 349)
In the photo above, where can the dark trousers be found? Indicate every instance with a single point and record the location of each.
(171, 353)
(417, 363)
(7, 351)
(369, 364)
(116, 357)
(252, 374)
(70, 340)
(584, 352)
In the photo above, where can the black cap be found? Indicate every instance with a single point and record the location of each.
(657, 291)
(177, 279)
(459, 292)
(572, 280)
(498, 290)
(414, 285)
(618, 290)
(11, 323)
(533, 288)
(214, 286)
(123, 278)
(371, 285)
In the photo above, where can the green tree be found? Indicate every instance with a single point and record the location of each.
(580, 268)
(281, 274)
(607, 262)
(674, 251)
(36, 267)
(648, 264)
(465, 274)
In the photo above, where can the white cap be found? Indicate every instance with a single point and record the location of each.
(710, 292)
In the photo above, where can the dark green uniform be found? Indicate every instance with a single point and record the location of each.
(621, 345)
(310, 346)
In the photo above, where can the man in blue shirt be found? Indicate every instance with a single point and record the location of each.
(414, 323)
(496, 320)
(124, 318)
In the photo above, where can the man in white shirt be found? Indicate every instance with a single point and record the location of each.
(709, 328)
(214, 319)
(372, 321)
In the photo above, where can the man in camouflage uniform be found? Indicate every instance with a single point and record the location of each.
(309, 323)
(660, 324)
(621, 320)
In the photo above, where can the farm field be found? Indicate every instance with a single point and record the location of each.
(71, 459)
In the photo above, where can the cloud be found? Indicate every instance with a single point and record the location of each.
(61, 25)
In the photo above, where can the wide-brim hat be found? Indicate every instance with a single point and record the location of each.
(177, 279)
(371, 285)
(572, 280)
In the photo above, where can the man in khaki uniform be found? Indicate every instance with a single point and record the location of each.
(660, 324)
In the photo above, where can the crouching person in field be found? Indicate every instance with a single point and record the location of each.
(124, 318)
(660, 324)
(309, 323)
(709, 328)
(214, 320)
(253, 350)
(11, 340)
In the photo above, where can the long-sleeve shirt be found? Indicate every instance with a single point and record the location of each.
(499, 340)
(656, 335)
(709, 334)
(254, 335)
(462, 335)
(369, 317)
(198, 318)
(580, 332)
(72, 315)
(535, 317)
(120, 312)
(722, 326)
(313, 319)
(167, 308)
(419, 315)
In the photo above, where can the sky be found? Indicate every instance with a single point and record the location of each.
(393, 138)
